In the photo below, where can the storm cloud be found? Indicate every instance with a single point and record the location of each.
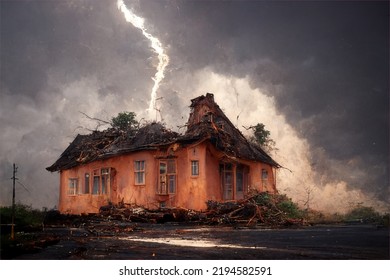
(316, 73)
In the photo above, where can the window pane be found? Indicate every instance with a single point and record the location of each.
(194, 168)
(139, 172)
(86, 183)
(264, 174)
(104, 183)
(72, 186)
(239, 181)
(140, 178)
(139, 165)
(171, 166)
(96, 180)
(172, 183)
(163, 168)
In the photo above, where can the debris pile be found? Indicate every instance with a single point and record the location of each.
(136, 214)
(260, 208)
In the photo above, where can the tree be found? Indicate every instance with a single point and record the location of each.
(125, 121)
(261, 137)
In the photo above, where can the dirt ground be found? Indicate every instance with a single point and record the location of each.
(177, 241)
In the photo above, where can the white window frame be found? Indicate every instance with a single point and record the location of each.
(171, 175)
(194, 168)
(105, 180)
(139, 172)
(73, 186)
(95, 174)
(87, 183)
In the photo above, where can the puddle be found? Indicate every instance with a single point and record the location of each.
(189, 243)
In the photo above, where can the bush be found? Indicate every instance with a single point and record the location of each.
(263, 199)
(364, 214)
(291, 209)
(25, 216)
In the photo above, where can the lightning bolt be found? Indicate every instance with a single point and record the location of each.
(163, 58)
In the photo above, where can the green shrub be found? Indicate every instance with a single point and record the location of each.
(290, 208)
(364, 214)
(263, 199)
(24, 216)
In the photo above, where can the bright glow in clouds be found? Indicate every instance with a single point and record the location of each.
(163, 58)
(246, 106)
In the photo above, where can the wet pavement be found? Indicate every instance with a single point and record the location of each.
(175, 241)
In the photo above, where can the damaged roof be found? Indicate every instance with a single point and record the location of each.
(112, 142)
(206, 122)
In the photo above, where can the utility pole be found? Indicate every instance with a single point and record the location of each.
(13, 202)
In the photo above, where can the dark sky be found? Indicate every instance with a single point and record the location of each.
(324, 65)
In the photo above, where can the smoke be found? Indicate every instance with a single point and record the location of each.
(298, 177)
(163, 59)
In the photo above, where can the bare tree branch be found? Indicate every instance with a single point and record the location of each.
(95, 119)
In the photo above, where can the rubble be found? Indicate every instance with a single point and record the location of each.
(116, 220)
(260, 208)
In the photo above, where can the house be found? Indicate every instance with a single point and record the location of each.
(154, 167)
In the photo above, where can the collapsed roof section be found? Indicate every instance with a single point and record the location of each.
(206, 122)
(111, 142)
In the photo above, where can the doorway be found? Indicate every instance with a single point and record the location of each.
(234, 180)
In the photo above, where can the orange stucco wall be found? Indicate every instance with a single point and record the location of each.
(192, 192)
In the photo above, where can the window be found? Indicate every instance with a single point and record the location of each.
(139, 172)
(264, 174)
(171, 174)
(86, 183)
(101, 181)
(72, 186)
(264, 177)
(194, 167)
(162, 186)
(96, 182)
(105, 177)
(167, 177)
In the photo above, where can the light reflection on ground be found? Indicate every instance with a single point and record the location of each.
(189, 243)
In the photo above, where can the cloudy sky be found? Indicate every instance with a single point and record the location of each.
(315, 73)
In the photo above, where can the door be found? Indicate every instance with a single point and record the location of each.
(239, 184)
(241, 180)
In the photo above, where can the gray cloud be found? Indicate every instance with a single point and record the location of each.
(325, 64)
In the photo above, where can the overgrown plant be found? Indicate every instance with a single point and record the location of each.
(25, 216)
(125, 121)
(262, 137)
(364, 214)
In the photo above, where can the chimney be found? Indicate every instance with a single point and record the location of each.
(200, 107)
(210, 97)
